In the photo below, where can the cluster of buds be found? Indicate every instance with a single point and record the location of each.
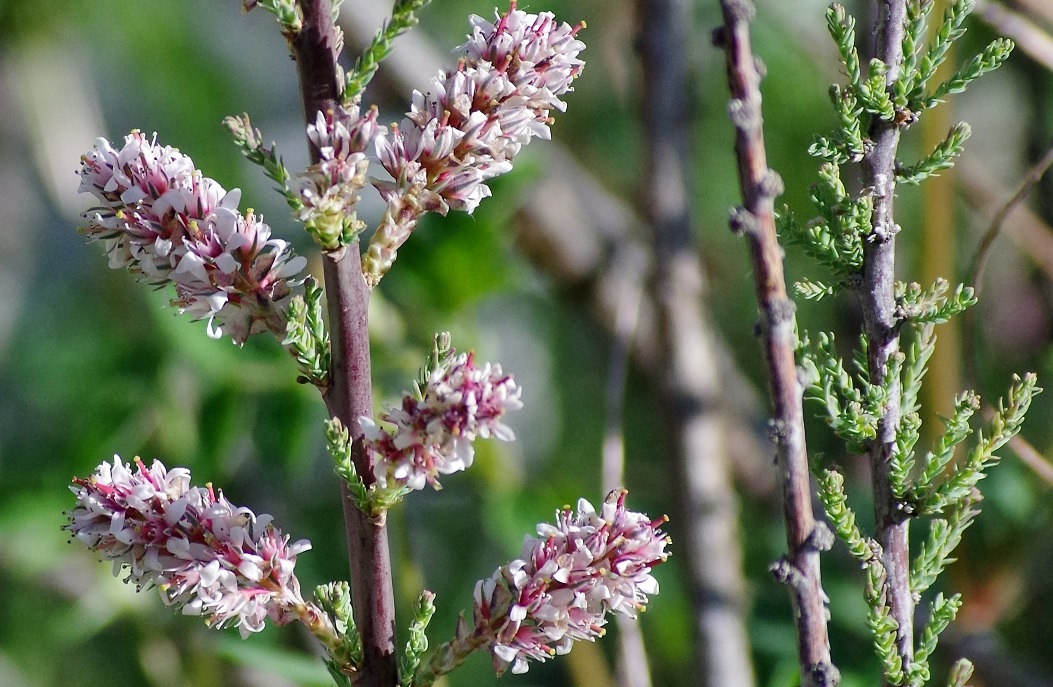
(161, 218)
(205, 555)
(561, 589)
(434, 428)
(329, 189)
(472, 122)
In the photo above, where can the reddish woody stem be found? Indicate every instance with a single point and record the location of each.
(879, 316)
(349, 395)
(756, 220)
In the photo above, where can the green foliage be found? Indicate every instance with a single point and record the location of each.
(344, 654)
(1005, 425)
(306, 336)
(853, 405)
(942, 612)
(940, 159)
(960, 673)
(951, 29)
(957, 429)
(932, 306)
(834, 238)
(249, 140)
(873, 95)
(882, 625)
(835, 502)
(338, 441)
(417, 644)
(287, 12)
(842, 28)
(992, 57)
(935, 553)
(813, 290)
(852, 413)
(441, 352)
(917, 15)
(374, 500)
(403, 18)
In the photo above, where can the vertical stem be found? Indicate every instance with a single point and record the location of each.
(879, 306)
(349, 395)
(757, 221)
(690, 386)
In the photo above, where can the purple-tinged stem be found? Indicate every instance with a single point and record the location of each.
(349, 395)
(878, 303)
(756, 220)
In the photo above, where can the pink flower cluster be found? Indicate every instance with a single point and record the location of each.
(329, 189)
(204, 554)
(433, 433)
(163, 219)
(567, 580)
(472, 123)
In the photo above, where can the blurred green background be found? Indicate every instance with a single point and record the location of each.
(92, 364)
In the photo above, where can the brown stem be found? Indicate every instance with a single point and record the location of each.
(880, 323)
(349, 395)
(756, 220)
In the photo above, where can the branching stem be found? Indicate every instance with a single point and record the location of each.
(882, 334)
(349, 395)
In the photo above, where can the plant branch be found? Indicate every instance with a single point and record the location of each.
(756, 220)
(882, 334)
(349, 395)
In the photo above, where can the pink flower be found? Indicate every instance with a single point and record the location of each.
(329, 189)
(205, 555)
(567, 580)
(433, 433)
(471, 124)
(163, 219)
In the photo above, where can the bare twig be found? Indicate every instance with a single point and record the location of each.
(1033, 40)
(756, 220)
(349, 395)
(1030, 180)
(1032, 236)
(690, 381)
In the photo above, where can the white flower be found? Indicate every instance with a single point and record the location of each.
(471, 123)
(163, 219)
(433, 434)
(566, 581)
(205, 555)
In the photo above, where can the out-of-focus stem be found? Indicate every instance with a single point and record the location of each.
(349, 395)
(756, 220)
(879, 316)
(690, 383)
